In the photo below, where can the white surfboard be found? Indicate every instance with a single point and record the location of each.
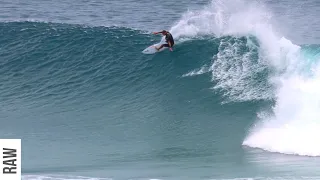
(152, 49)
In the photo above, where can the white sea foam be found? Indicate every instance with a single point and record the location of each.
(293, 125)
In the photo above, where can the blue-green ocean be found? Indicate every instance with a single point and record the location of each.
(238, 98)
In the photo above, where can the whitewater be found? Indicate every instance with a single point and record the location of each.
(293, 123)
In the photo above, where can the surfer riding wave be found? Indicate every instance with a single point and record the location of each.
(169, 40)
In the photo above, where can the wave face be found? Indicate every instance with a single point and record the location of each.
(62, 61)
(93, 89)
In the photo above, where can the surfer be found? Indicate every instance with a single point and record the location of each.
(169, 39)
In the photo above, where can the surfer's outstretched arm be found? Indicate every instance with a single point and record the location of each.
(157, 32)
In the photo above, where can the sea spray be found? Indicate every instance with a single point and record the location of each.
(251, 48)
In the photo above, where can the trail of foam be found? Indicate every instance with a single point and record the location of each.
(236, 71)
(204, 69)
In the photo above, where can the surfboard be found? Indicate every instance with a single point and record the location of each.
(152, 49)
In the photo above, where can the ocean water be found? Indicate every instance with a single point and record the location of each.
(237, 99)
